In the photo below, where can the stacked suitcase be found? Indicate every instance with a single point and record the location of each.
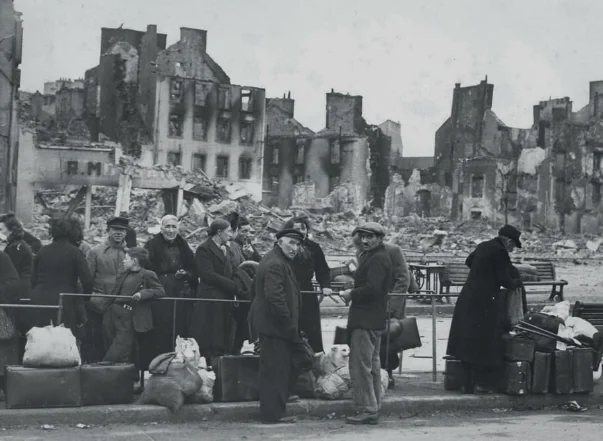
(87, 385)
(529, 371)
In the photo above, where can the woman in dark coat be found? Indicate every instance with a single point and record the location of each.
(212, 324)
(172, 259)
(309, 262)
(19, 252)
(476, 330)
(34, 243)
(57, 269)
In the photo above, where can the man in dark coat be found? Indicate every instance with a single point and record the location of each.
(310, 262)
(367, 321)
(274, 316)
(476, 330)
(212, 323)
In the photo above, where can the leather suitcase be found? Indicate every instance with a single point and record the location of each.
(237, 378)
(107, 383)
(28, 388)
(541, 373)
(548, 323)
(562, 378)
(519, 348)
(582, 364)
(518, 378)
(454, 375)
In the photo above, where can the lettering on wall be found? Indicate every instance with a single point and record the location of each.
(91, 168)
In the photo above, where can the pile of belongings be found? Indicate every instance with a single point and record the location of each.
(553, 329)
(329, 378)
(179, 377)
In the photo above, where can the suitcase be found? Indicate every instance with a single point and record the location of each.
(562, 379)
(582, 364)
(541, 373)
(518, 378)
(518, 348)
(28, 388)
(237, 378)
(548, 323)
(454, 375)
(107, 383)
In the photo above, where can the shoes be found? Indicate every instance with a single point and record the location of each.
(479, 390)
(391, 383)
(283, 420)
(293, 399)
(363, 418)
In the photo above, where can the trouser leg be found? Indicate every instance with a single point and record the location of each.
(362, 350)
(122, 345)
(376, 367)
(274, 377)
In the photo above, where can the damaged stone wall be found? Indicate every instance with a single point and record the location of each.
(419, 193)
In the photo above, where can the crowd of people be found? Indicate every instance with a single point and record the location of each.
(248, 297)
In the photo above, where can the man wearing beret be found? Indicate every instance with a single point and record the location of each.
(367, 321)
(476, 331)
(105, 263)
(274, 316)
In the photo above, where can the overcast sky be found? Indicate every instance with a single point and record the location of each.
(402, 56)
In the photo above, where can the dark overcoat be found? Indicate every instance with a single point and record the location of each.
(275, 311)
(212, 324)
(311, 262)
(476, 329)
(372, 282)
(22, 257)
(9, 285)
(57, 269)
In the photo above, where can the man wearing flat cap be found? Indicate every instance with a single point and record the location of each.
(274, 316)
(476, 330)
(367, 321)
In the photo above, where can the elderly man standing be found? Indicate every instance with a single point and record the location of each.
(105, 263)
(476, 331)
(367, 321)
(274, 316)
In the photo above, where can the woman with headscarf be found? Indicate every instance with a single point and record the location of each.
(309, 262)
(171, 258)
(19, 252)
(212, 324)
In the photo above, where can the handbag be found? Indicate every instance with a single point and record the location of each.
(342, 336)
(409, 338)
(7, 327)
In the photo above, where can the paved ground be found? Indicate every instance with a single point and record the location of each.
(414, 360)
(549, 425)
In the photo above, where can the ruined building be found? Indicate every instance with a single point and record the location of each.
(347, 162)
(175, 105)
(548, 175)
(11, 44)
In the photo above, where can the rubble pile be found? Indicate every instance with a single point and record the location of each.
(206, 200)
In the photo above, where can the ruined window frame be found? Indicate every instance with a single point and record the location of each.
(475, 177)
(247, 100)
(245, 165)
(201, 93)
(335, 151)
(300, 154)
(597, 161)
(299, 178)
(226, 166)
(202, 159)
(596, 193)
(275, 184)
(246, 126)
(224, 98)
(205, 127)
(175, 131)
(275, 154)
(174, 158)
(223, 136)
(176, 93)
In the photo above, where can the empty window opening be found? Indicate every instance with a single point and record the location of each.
(175, 124)
(174, 158)
(246, 132)
(199, 162)
(477, 186)
(245, 168)
(200, 126)
(223, 129)
(275, 154)
(176, 91)
(246, 100)
(222, 166)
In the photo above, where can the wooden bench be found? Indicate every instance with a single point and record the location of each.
(591, 312)
(456, 272)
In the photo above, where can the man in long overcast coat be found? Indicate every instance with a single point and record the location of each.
(476, 330)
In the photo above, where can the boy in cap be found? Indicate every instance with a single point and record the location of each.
(274, 315)
(367, 321)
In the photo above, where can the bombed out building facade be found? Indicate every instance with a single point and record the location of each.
(546, 176)
(345, 166)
